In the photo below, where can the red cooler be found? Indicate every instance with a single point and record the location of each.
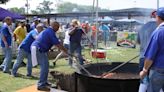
(99, 53)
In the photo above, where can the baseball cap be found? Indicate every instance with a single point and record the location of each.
(160, 12)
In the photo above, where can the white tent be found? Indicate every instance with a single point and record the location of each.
(126, 20)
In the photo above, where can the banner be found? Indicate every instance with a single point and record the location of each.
(126, 39)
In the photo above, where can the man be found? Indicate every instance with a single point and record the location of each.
(43, 44)
(105, 33)
(24, 50)
(35, 23)
(6, 44)
(144, 35)
(154, 56)
(75, 42)
(65, 43)
(20, 33)
(28, 26)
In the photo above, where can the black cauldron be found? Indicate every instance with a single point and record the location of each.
(85, 83)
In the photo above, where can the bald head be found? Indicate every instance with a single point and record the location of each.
(39, 27)
(8, 20)
(55, 25)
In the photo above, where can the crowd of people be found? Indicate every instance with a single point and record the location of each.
(36, 40)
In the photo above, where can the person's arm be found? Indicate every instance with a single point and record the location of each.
(150, 54)
(73, 30)
(4, 38)
(15, 37)
(61, 47)
(147, 65)
(35, 36)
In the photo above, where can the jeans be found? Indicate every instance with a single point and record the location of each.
(21, 55)
(5, 66)
(42, 60)
(156, 80)
(75, 47)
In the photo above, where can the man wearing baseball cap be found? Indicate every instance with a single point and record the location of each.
(154, 55)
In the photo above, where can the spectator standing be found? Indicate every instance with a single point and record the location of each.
(144, 35)
(6, 44)
(154, 56)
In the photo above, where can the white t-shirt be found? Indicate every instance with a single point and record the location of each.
(67, 37)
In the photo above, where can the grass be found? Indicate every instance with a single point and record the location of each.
(114, 54)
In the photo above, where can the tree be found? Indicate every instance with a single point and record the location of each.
(44, 7)
(3, 1)
(17, 10)
(70, 7)
(34, 12)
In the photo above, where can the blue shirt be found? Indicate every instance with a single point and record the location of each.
(46, 39)
(26, 43)
(6, 33)
(155, 49)
(144, 35)
(76, 36)
(105, 29)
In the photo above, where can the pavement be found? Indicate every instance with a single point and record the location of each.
(33, 88)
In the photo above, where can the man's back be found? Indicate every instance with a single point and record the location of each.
(144, 35)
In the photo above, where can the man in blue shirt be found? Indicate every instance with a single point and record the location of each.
(75, 42)
(24, 51)
(105, 30)
(43, 44)
(6, 44)
(154, 56)
(144, 35)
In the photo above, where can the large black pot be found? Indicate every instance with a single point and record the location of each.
(84, 83)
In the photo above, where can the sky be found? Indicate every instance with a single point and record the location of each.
(108, 4)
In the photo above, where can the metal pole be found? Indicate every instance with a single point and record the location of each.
(93, 10)
(27, 3)
(97, 24)
(157, 4)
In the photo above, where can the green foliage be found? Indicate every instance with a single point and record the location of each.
(67, 7)
(3, 1)
(44, 7)
(17, 10)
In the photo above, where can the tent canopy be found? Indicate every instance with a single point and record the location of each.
(105, 19)
(4, 13)
(125, 20)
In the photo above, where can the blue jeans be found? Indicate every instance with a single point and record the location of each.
(75, 47)
(66, 46)
(21, 55)
(156, 80)
(42, 59)
(5, 66)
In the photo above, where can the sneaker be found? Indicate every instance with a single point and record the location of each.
(45, 88)
(54, 63)
(14, 75)
(48, 84)
(7, 72)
